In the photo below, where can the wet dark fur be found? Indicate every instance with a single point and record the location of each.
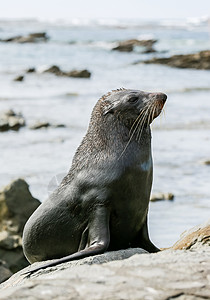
(102, 203)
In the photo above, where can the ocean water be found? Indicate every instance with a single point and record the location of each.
(181, 136)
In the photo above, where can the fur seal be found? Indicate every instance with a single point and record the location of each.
(102, 203)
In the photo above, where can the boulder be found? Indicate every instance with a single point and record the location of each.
(74, 73)
(196, 237)
(200, 60)
(128, 45)
(16, 206)
(162, 196)
(10, 120)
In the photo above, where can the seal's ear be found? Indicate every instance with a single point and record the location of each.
(109, 110)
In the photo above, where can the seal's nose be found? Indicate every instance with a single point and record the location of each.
(161, 96)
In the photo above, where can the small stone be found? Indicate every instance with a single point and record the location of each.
(206, 162)
(10, 120)
(40, 125)
(162, 196)
(31, 70)
(19, 78)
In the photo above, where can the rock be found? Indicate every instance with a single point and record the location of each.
(128, 45)
(206, 162)
(162, 196)
(31, 70)
(16, 206)
(168, 275)
(40, 125)
(78, 74)
(31, 38)
(124, 48)
(74, 73)
(5, 272)
(200, 60)
(55, 70)
(10, 120)
(196, 237)
(19, 78)
(149, 50)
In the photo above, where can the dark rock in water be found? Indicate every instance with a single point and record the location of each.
(19, 78)
(74, 73)
(55, 70)
(11, 121)
(206, 162)
(200, 60)
(31, 38)
(16, 206)
(128, 45)
(31, 70)
(124, 48)
(39, 35)
(78, 74)
(40, 125)
(5, 272)
(162, 196)
(149, 50)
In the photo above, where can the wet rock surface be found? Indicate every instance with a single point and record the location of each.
(30, 38)
(11, 120)
(128, 45)
(200, 60)
(16, 206)
(74, 73)
(126, 274)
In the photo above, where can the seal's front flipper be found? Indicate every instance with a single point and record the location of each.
(143, 240)
(98, 239)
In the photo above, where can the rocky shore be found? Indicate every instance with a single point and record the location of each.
(180, 272)
(126, 274)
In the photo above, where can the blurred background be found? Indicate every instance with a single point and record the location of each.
(58, 58)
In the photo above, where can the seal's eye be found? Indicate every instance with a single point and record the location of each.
(133, 99)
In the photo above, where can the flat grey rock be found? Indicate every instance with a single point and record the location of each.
(168, 274)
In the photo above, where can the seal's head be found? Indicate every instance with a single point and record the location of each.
(128, 105)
